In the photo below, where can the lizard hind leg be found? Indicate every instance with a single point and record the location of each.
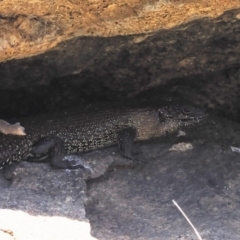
(44, 145)
(53, 146)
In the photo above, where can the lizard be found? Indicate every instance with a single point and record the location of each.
(57, 135)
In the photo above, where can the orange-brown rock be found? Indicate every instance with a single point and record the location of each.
(32, 27)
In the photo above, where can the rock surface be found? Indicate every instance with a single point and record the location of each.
(78, 51)
(127, 201)
(30, 28)
(58, 54)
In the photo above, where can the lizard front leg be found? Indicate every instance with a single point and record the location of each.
(126, 138)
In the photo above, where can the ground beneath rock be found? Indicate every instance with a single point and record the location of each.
(204, 181)
(130, 201)
(137, 204)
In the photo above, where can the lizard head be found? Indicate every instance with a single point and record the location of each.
(184, 114)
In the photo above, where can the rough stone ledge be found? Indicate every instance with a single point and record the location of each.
(31, 28)
(129, 202)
